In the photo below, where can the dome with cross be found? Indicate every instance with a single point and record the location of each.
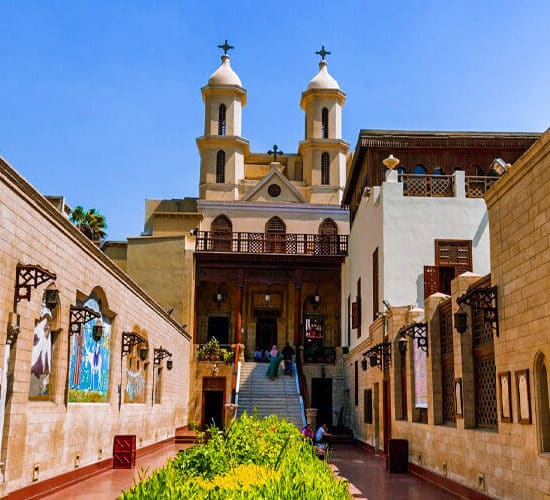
(225, 75)
(323, 79)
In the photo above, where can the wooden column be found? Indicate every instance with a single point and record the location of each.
(238, 314)
(297, 306)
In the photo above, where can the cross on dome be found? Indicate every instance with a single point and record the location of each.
(323, 52)
(275, 151)
(226, 47)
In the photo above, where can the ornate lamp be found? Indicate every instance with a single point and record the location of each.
(143, 353)
(391, 162)
(51, 298)
(97, 331)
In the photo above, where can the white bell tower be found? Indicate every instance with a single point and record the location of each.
(323, 151)
(222, 149)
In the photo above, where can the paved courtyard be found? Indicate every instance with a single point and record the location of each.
(365, 473)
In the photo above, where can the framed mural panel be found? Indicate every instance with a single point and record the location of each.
(523, 392)
(459, 412)
(42, 356)
(505, 396)
(420, 377)
(89, 361)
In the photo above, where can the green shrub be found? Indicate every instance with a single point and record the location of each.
(254, 459)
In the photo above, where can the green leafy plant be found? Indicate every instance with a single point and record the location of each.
(253, 459)
(212, 351)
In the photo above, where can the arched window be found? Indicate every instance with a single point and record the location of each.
(419, 170)
(543, 402)
(324, 122)
(221, 234)
(275, 235)
(221, 120)
(328, 236)
(325, 169)
(220, 167)
(328, 228)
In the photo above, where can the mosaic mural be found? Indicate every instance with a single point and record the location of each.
(41, 356)
(89, 361)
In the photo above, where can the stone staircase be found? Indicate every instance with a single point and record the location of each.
(270, 397)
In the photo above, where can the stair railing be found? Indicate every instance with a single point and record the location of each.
(236, 378)
(297, 380)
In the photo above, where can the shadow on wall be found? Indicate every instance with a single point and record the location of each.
(483, 223)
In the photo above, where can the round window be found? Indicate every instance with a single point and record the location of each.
(274, 190)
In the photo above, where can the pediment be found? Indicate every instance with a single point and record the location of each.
(274, 188)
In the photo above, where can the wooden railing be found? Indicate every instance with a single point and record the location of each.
(427, 185)
(261, 243)
(476, 187)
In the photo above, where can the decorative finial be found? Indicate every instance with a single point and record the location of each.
(391, 162)
(225, 47)
(275, 151)
(323, 52)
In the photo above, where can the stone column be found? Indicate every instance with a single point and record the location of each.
(311, 416)
(230, 413)
(297, 312)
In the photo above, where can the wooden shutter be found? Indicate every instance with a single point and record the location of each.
(431, 280)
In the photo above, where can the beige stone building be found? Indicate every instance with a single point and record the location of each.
(255, 260)
(464, 379)
(86, 354)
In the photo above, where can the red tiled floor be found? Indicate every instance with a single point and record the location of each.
(368, 478)
(108, 485)
(366, 474)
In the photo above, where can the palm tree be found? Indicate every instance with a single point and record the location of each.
(90, 222)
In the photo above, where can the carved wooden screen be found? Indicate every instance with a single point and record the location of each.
(275, 233)
(484, 369)
(431, 280)
(447, 362)
(328, 236)
(454, 253)
(221, 233)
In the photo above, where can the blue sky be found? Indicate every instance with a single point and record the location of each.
(100, 100)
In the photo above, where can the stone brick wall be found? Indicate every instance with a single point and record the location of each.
(51, 433)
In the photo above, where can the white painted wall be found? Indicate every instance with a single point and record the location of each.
(405, 229)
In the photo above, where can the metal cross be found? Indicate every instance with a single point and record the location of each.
(225, 47)
(323, 52)
(275, 152)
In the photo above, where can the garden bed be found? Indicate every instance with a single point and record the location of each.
(254, 459)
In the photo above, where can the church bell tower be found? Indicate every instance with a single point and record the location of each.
(323, 151)
(221, 148)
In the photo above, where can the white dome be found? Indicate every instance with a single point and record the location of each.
(323, 80)
(224, 75)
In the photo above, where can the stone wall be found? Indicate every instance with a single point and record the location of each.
(49, 435)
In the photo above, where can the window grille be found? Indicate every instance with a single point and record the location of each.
(222, 124)
(325, 169)
(275, 232)
(221, 233)
(447, 362)
(324, 122)
(220, 167)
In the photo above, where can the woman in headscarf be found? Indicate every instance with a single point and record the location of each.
(274, 361)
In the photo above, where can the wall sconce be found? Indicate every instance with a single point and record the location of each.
(499, 166)
(219, 296)
(364, 364)
(97, 331)
(215, 370)
(316, 296)
(51, 298)
(79, 315)
(267, 297)
(13, 328)
(143, 353)
(129, 340)
(461, 321)
(159, 355)
(379, 355)
(373, 360)
(402, 345)
(27, 277)
(418, 332)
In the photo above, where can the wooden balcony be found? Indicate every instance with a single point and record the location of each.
(261, 243)
(444, 185)
(476, 187)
